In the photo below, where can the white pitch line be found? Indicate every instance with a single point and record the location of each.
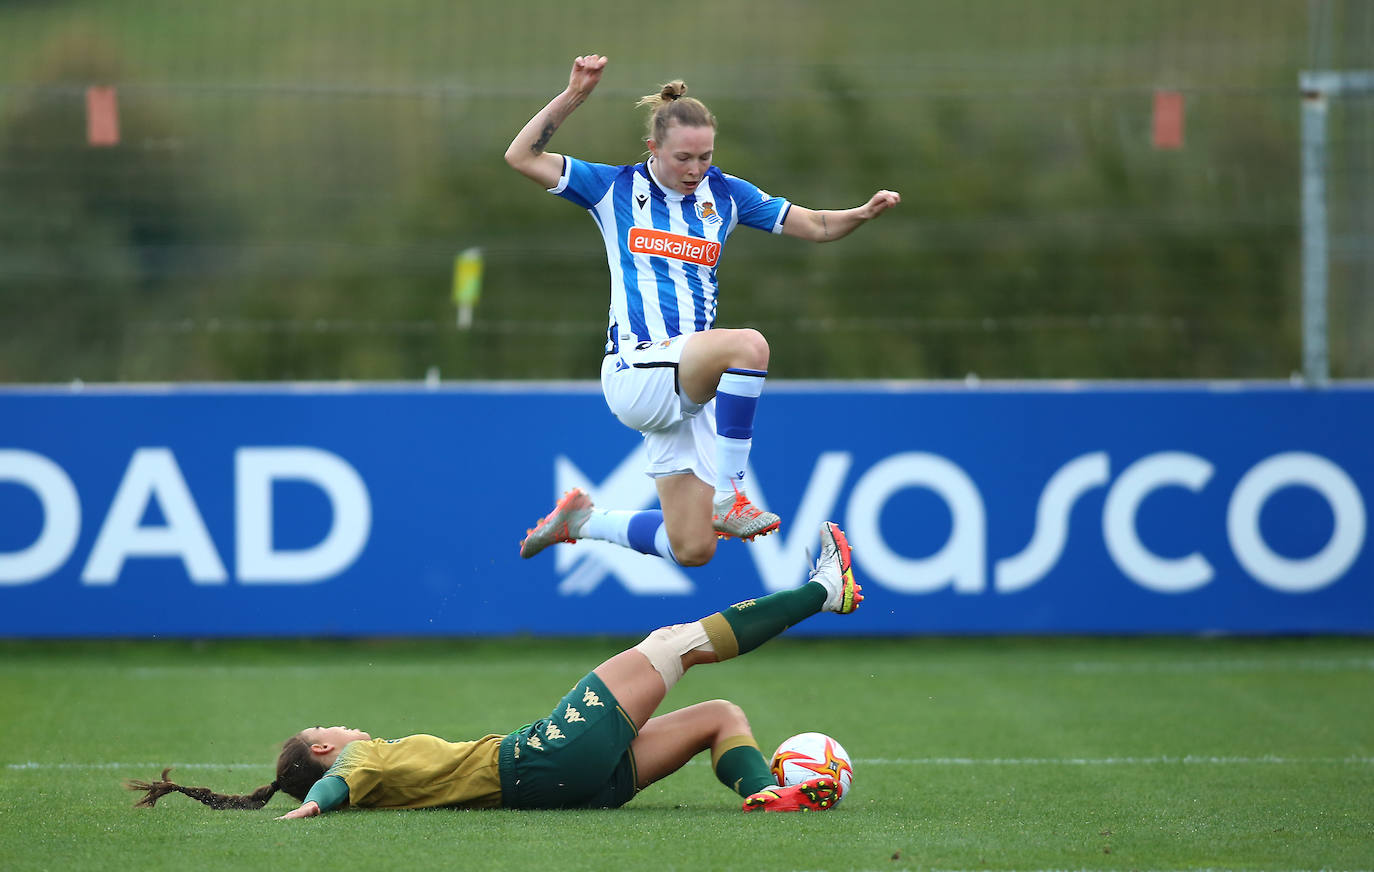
(1088, 869)
(1077, 667)
(1188, 760)
(1314, 664)
(198, 671)
(1208, 869)
(32, 766)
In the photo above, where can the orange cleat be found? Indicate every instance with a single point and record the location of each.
(835, 571)
(561, 525)
(740, 519)
(818, 794)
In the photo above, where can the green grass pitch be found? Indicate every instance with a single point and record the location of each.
(1023, 754)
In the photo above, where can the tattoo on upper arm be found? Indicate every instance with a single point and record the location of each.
(824, 226)
(544, 137)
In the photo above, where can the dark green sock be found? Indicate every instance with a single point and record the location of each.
(755, 621)
(740, 766)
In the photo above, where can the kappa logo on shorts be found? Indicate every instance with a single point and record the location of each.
(573, 716)
(661, 243)
(552, 732)
(589, 697)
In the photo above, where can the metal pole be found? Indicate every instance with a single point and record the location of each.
(1317, 86)
(1316, 364)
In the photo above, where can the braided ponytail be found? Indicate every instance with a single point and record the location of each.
(218, 801)
(297, 772)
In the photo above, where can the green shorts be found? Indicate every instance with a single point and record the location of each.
(577, 757)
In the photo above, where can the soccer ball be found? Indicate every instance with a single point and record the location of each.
(812, 755)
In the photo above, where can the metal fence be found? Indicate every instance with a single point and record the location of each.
(278, 190)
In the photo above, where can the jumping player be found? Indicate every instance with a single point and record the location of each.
(599, 746)
(691, 389)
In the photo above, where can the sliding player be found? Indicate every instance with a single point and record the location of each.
(599, 746)
(690, 388)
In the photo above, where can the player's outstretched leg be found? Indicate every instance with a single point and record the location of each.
(831, 588)
(563, 524)
(835, 571)
(640, 677)
(574, 518)
(818, 794)
(731, 632)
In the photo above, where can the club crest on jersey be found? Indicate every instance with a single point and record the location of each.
(661, 243)
(707, 212)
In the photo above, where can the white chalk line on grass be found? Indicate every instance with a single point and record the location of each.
(1188, 760)
(199, 671)
(1311, 664)
(1074, 667)
(156, 767)
(1208, 869)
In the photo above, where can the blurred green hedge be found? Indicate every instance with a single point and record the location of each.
(294, 179)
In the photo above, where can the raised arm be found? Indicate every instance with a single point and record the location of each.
(526, 152)
(827, 225)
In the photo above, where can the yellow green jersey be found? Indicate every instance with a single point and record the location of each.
(577, 757)
(421, 771)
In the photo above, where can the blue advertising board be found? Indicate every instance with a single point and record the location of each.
(397, 510)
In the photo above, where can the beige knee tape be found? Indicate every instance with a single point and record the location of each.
(665, 646)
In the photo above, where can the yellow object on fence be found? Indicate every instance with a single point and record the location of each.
(467, 284)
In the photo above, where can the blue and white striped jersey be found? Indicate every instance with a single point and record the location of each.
(663, 247)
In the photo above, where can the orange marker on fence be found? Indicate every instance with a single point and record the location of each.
(1168, 120)
(102, 116)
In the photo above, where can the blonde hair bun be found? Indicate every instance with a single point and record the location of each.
(671, 105)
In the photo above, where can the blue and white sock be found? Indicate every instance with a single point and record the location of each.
(737, 398)
(644, 531)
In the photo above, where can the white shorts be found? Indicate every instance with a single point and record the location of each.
(641, 388)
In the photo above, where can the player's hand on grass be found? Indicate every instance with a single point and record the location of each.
(309, 809)
(586, 72)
